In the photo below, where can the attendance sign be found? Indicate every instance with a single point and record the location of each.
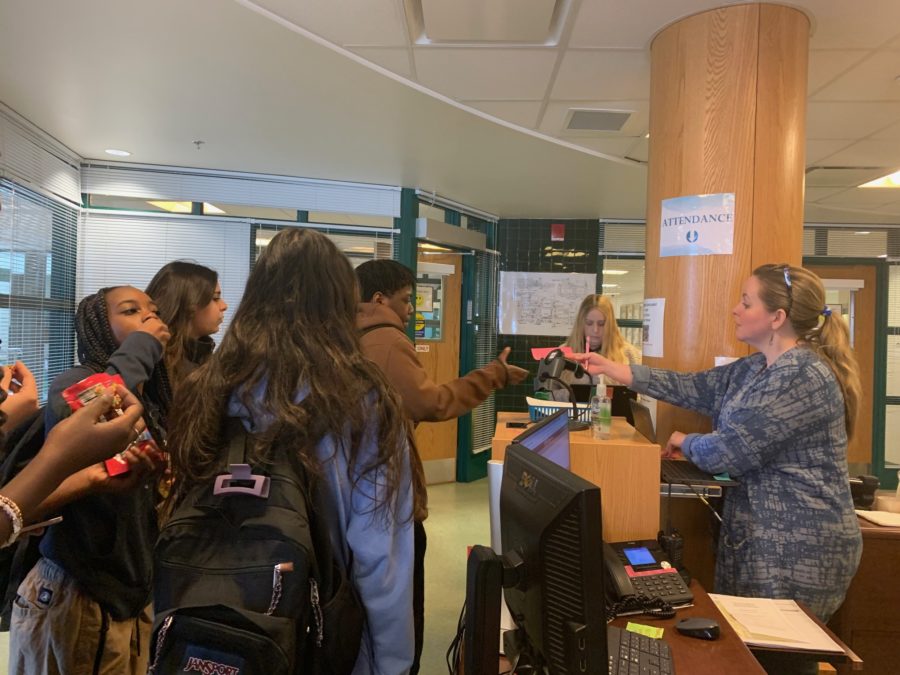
(697, 225)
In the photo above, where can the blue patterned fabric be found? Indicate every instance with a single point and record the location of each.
(789, 527)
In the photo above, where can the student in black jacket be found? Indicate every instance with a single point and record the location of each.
(84, 608)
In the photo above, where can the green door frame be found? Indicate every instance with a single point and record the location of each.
(879, 382)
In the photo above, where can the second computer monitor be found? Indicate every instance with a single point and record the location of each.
(549, 438)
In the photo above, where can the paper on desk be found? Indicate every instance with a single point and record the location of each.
(773, 623)
(884, 518)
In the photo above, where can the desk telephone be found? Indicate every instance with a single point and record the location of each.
(641, 568)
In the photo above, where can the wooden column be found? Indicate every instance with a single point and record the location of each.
(727, 114)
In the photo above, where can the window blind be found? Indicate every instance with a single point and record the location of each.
(124, 249)
(37, 282)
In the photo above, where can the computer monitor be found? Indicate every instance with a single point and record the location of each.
(551, 569)
(620, 398)
(549, 438)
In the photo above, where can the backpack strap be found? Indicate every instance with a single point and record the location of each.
(369, 329)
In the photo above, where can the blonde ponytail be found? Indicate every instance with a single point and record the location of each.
(801, 295)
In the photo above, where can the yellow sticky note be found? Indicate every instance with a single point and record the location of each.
(641, 629)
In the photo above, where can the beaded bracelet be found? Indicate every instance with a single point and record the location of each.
(14, 513)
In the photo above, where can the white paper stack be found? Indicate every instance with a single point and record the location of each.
(774, 623)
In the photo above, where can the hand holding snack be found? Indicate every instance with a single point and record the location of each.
(95, 431)
(82, 393)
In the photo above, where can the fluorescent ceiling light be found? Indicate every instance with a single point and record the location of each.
(614, 272)
(185, 207)
(610, 285)
(117, 153)
(425, 246)
(864, 232)
(890, 181)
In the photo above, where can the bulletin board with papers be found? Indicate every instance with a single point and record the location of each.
(541, 303)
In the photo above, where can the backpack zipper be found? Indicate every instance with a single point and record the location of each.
(160, 640)
(277, 585)
(317, 611)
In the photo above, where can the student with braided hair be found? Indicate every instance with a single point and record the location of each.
(84, 607)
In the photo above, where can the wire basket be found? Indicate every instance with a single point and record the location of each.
(538, 409)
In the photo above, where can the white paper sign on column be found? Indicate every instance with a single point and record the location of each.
(697, 225)
(654, 314)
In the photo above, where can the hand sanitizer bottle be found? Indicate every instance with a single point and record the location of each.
(601, 415)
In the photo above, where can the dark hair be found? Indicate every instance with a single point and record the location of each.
(179, 289)
(96, 344)
(801, 294)
(383, 276)
(294, 330)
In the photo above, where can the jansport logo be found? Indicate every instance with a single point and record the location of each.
(207, 667)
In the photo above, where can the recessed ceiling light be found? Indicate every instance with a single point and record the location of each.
(863, 232)
(890, 181)
(117, 153)
(615, 272)
(610, 285)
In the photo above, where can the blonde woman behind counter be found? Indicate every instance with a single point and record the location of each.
(596, 330)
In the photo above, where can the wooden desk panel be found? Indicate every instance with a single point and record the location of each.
(869, 619)
(625, 467)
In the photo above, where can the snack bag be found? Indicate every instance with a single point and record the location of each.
(83, 392)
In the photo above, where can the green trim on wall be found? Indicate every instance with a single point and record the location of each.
(406, 241)
(887, 477)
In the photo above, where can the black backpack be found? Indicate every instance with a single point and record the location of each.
(17, 560)
(248, 585)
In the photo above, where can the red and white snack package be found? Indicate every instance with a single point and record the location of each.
(83, 392)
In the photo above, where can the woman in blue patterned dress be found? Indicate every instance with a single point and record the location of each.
(781, 421)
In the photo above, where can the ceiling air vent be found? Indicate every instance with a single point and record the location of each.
(596, 120)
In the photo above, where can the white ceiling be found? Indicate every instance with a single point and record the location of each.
(346, 89)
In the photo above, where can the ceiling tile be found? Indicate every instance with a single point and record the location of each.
(557, 112)
(827, 64)
(871, 198)
(868, 153)
(814, 194)
(629, 24)
(640, 150)
(607, 75)
(872, 80)
(817, 150)
(395, 59)
(839, 24)
(892, 133)
(617, 147)
(523, 113)
(836, 119)
(486, 74)
(374, 23)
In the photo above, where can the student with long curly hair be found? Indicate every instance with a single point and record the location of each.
(190, 303)
(84, 606)
(290, 369)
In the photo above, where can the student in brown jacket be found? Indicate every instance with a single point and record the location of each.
(386, 288)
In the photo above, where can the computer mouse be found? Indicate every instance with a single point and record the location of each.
(698, 627)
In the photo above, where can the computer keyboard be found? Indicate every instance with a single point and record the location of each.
(633, 654)
(684, 472)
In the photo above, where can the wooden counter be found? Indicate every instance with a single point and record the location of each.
(869, 619)
(625, 467)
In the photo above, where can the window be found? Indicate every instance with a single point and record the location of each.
(37, 282)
